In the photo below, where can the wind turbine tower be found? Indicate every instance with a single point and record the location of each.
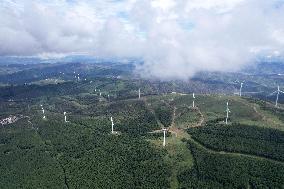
(228, 111)
(277, 95)
(65, 118)
(42, 112)
(193, 96)
(139, 93)
(164, 141)
(241, 89)
(112, 124)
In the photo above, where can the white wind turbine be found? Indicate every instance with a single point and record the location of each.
(241, 92)
(164, 141)
(139, 93)
(42, 112)
(65, 117)
(241, 89)
(193, 96)
(112, 124)
(228, 111)
(277, 95)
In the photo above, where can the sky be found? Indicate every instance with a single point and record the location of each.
(175, 38)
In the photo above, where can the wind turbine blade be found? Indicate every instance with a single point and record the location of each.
(272, 93)
(281, 91)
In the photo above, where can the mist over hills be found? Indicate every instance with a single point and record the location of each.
(142, 94)
(259, 80)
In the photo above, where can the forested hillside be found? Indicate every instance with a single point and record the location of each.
(38, 149)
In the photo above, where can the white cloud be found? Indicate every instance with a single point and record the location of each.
(175, 38)
(218, 5)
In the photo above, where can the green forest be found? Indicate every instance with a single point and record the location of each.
(201, 151)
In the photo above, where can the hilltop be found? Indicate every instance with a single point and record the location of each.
(201, 150)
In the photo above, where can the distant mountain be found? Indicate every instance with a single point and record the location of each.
(266, 68)
(5, 60)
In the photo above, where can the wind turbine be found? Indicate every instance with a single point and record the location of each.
(139, 93)
(240, 93)
(241, 89)
(42, 112)
(112, 124)
(193, 96)
(228, 111)
(164, 141)
(65, 118)
(277, 95)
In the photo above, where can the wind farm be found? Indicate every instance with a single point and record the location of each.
(176, 128)
(129, 94)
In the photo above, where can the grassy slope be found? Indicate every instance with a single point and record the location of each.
(212, 107)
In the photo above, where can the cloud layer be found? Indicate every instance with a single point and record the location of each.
(176, 39)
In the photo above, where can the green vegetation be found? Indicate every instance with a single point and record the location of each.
(132, 117)
(214, 106)
(200, 152)
(81, 153)
(164, 114)
(25, 161)
(241, 138)
(187, 117)
(162, 108)
(178, 158)
(225, 170)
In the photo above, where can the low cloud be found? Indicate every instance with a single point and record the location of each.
(175, 39)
